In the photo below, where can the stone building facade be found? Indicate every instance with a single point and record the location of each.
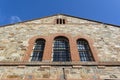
(18, 42)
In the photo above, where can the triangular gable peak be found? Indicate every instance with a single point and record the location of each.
(68, 20)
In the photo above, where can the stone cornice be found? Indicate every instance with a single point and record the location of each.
(60, 63)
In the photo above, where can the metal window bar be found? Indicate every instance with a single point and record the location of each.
(84, 50)
(61, 51)
(38, 50)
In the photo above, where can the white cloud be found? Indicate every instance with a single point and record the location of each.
(6, 19)
(14, 19)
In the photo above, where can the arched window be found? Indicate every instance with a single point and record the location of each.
(84, 50)
(38, 50)
(61, 49)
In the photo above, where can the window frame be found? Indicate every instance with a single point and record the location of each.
(61, 44)
(38, 49)
(84, 50)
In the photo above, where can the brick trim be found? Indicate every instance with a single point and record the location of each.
(63, 35)
(73, 52)
(47, 54)
(90, 43)
(47, 50)
(31, 45)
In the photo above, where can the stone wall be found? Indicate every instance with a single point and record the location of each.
(59, 73)
(14, 38)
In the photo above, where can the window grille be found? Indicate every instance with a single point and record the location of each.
(84, 50)
(38, 50)
(61, 51)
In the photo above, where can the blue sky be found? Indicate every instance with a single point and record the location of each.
(12, 11)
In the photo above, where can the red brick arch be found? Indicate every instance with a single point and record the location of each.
(31, 45)
(73, 50)
(90, 42)
(47, 54)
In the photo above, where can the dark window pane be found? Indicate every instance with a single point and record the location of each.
(61, 49)
(57, 21)
(60, 21)
(38, 50)
(63, 21)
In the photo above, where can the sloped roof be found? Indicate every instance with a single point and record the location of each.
(64, 15)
